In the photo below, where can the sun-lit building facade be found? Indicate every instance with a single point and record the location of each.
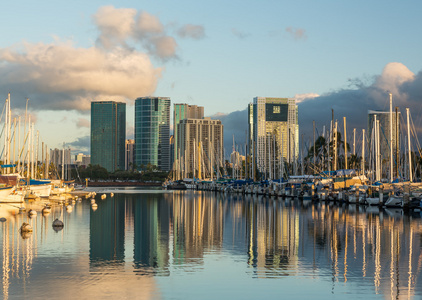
(183, 111)
(273, 132)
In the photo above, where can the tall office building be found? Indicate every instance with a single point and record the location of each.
(152, 132)
(384, 119)
(108, 134)
(181, 112)
(60, 156)
(129, 155)
(273, 132)
(200, 145)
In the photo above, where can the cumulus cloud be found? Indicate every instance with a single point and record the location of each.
(115, 25)
(191, 31)
(354, 103)
(61, 76)
(123, 26)
(296, 33)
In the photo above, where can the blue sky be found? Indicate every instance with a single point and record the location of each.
(218, 54)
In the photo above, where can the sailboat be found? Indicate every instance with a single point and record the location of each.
(8, 181)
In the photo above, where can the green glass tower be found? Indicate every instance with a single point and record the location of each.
(108, 134)
(152, 132)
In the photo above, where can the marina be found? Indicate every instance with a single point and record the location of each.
(190, 244)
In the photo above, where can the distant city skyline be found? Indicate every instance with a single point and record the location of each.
(345, 56)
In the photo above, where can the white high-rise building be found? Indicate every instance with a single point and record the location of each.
(200, 145)
(273, 133)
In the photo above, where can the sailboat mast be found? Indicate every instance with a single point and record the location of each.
(345, 143)
(363, 151)
(313, 123)
(354, 141)
(408, 145)
(391, 137)
(335, 147)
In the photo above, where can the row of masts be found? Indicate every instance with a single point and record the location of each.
(208, 164)
(22, 158)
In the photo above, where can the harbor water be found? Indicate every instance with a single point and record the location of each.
(155, 244)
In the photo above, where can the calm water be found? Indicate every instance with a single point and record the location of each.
(190, 245)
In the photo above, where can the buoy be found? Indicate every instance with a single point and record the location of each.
(92, 201)
(46, 210)
(94, 206)
(58, 223)
(32, 213)
(103, 196)
(25, 228)
(69, 208)
(2, 219)
(111, 194)
(22, 209)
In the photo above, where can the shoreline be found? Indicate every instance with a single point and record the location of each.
(122, 184)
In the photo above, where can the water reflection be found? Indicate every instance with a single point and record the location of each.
(107, 234)
(133, 239)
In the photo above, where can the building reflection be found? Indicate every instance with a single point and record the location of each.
(107, 233)
(197, 226)
(273, 237)
(151, 234)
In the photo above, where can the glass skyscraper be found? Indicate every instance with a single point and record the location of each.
(152, 132)
(108, 134)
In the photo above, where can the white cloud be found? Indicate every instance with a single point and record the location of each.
(303, 97)
(192, 31)
(393, 76)
(115, 25)
(355, 103)
(60, 76)
(148, 24)
(129, 28)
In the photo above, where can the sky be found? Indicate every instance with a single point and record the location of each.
(341, 55)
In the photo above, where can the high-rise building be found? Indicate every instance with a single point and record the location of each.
(172, 151)
(60, 156)
(61, 159)
(384, 136)
(82, 159)
(200, 144)
(129, 155)
(273, 133)
(108, 134)
(152, 132)
(183, 111)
